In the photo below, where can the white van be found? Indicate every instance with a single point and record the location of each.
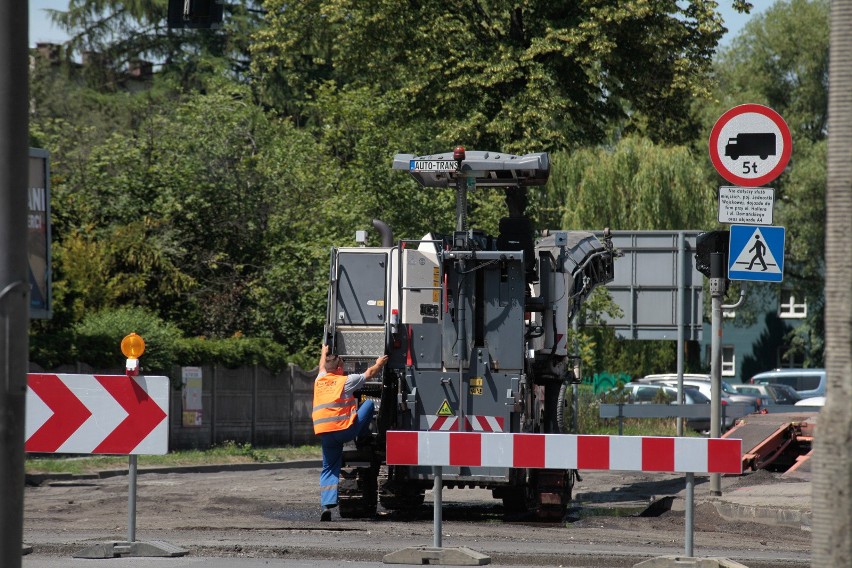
(807, 382)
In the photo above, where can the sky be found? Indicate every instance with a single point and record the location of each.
(42, 30)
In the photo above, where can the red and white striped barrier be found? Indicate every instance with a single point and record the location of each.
(565, 451)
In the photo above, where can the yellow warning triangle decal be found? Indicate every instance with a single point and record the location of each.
(445, 409)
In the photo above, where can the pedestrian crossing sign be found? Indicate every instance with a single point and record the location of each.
(756, 253)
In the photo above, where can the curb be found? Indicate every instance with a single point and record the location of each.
(796, 518)
(793, 517)
(36, 479)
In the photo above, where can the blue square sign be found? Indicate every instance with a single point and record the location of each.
(756, 253)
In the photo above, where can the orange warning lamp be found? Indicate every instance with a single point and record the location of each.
(133, 346)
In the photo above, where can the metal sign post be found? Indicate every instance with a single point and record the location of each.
(14, 287)
(717, 291)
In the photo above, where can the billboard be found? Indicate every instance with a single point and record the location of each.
(38, 233)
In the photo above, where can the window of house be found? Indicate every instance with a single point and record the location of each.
(789, 306)
(789, 357)
(729, 361)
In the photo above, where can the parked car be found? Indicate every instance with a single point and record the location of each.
(806, 382)
(775, 393)
(812, 401)
(645, 393)
(727, 397)
(702, 382)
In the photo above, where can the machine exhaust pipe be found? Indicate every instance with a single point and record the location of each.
(385, 231)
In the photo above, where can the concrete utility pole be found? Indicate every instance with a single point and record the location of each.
(14, 279)
(832, 485)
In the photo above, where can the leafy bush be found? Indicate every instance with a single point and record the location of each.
(96, 341)
(232, 352)
(99, 335)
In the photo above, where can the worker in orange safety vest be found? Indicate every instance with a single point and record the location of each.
(337, 419)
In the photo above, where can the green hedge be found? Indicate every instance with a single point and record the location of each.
(96, 341)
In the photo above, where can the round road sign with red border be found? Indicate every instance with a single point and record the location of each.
(750, 145)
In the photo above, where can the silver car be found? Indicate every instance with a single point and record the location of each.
(646, 393)
(727, 397)
(776, 393)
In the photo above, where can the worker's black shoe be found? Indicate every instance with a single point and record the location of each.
(325, 515)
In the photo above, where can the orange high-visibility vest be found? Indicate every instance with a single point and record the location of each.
(332, 411)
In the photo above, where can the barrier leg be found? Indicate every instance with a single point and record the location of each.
(116, 549)
(437, 554)
(131, 500)
(689, 513)
(437, 495)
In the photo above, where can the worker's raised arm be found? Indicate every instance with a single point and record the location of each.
(376, 368)
(323, 353)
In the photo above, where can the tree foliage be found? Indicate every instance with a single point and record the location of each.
(116, 35)
(497, 74)
(635, 185)
(209, 193)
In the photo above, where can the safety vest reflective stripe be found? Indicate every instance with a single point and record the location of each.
(331, 410)
(348, 402)
(330, 419)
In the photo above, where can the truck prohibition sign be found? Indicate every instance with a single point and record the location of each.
(750, 145)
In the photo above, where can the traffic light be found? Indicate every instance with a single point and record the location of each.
(707, 243)
(198, 14)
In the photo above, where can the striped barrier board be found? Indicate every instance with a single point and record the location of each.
(565, 451)
(97, 414)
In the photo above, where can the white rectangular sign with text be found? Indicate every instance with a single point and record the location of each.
(746, 205)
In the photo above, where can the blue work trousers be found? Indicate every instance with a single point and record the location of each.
(332, 452)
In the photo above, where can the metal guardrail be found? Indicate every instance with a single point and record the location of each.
(642, 410)
(790, 408)
(701, 411)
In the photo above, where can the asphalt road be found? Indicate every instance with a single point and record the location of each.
(269, 517)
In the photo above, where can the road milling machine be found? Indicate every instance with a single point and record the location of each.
(476, 330)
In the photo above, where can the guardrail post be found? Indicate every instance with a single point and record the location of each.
(620, 418)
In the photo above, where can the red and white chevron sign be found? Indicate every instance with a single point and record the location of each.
(565, 451)
(97, 414)
(473, 423)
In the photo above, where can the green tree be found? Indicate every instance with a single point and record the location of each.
(635, 185)
(114, 36)
(183, 212)
(497, 74)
